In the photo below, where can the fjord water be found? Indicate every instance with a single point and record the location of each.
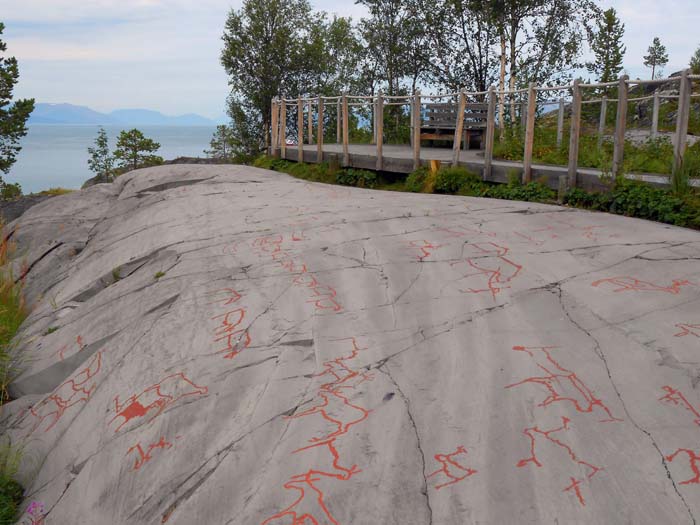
(56, 155)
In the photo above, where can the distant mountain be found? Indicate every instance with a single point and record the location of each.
(147, 117)
(67, 114)
(70, 114)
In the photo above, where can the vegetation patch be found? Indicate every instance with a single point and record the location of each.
(625, 196)
(12, 313)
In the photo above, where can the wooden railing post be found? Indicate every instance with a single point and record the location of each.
(529, 133)
(379, 112)
(319, 132)
(601, 122)
(620, 126)
(655, 116)
(682, 120)
(560, 123)
(574, 138)
(490, 131)
(339, 124)
(346, 132)
(459, 128)
(310, 124)
(274, 125)
(300, 130)
(416, 129)
(283, 127)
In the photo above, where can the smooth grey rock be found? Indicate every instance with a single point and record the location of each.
(229, 345)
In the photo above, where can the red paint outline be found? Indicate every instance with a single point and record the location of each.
(449, 464)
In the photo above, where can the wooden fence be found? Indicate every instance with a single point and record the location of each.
(526, 100)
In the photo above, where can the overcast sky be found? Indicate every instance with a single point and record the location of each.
(164, 54)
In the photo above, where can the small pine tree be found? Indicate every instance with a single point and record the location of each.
(221, 144)
(657, 57)
(136, 151)
(101, 162)
(607, 47)
(695, 62)
(13, 117)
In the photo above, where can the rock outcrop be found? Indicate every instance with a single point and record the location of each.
(229, 345)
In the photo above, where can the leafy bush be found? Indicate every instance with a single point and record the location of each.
(359, 178)
(416, 180)
(452, 179)
(531, 192)
(638, 199)
(10, 192)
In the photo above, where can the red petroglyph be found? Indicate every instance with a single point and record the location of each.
(425, 247)
(625, 283)
(144, 457)
(492, 266)
(677, 398)
(534, 433)
(157, 398)
(236, 342)
(452, 468)
(229, 249)
(322, 296)
(693, 460)
(228, 296)
(335, 408)
(562, 384)
(73, 391)
(61, 351)
(229, 321)
(298, 236)
(547, 231)
(688, 329)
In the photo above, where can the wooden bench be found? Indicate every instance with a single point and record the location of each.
(439, 121)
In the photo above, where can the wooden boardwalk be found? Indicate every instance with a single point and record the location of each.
(399, 159)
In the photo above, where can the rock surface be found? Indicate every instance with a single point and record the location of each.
(228, 345)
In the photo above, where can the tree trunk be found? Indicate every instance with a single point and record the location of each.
(502, 88)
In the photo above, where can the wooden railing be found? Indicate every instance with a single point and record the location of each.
(526, 100)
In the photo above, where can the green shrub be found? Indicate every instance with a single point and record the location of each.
(10, 192)
(416, 180)
(452, 179)
(638, 199)
(532, 192)
(359, 178)
(11, 492)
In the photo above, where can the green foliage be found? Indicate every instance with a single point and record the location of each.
(13, 116)
(354, 177)
(10, 191)
(116, 273)
(454, 179)
(134, 150)
(222, 144)
(274, 47)
(638, 199)
(158, 275)
(532, 191)
(607, 47)
(695, 62)
(56, 191)
(101, 162)
(11, 491)
(415, 181)
(657, 56)
(50, 330)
